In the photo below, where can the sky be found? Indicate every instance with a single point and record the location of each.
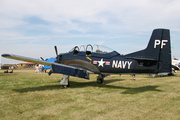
(33, 27)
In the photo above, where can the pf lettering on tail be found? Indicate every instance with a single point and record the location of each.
(158, 42)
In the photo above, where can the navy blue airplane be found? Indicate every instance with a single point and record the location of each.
(83, 60)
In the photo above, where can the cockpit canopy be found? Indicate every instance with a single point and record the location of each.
(92, 49)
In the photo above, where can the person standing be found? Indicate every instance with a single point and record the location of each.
(134, 77)
(37, 68)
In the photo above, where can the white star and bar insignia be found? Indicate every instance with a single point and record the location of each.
(101, 63)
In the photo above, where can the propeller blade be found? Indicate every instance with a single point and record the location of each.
(42, 58)
(55, 47)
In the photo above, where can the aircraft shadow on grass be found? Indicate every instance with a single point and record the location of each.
(128, 90)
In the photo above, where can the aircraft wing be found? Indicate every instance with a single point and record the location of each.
(56, 67)
(27, 59)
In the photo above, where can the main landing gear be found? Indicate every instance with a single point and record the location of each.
(100, 79)
(65, 81)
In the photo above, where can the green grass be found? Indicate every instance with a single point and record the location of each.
(28, 95)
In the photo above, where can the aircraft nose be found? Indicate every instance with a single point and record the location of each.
(58, 59)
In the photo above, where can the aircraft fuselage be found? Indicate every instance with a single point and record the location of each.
(103, 63)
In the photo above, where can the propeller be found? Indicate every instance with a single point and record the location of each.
(55, 47)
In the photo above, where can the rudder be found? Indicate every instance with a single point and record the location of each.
(164, 64)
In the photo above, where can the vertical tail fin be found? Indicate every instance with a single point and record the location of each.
(159, 49)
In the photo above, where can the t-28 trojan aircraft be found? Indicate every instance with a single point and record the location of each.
(80, 61)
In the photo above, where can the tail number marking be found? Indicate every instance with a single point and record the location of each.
(158, 42)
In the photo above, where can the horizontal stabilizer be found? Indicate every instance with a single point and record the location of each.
(141, 59)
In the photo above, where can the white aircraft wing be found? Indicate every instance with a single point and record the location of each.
(56, 67)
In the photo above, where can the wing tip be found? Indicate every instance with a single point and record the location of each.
(5, 55)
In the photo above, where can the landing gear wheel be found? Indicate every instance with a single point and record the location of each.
(99, 80)
(64, 86)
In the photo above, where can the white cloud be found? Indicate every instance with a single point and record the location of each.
(128, 14)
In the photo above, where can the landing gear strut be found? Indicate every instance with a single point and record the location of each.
(65, 81)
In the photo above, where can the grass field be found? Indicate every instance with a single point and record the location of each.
(28, 95)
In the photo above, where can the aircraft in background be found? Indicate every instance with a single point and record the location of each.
(7, 68)
(84, 60)
(50, 60)
(176, 64)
